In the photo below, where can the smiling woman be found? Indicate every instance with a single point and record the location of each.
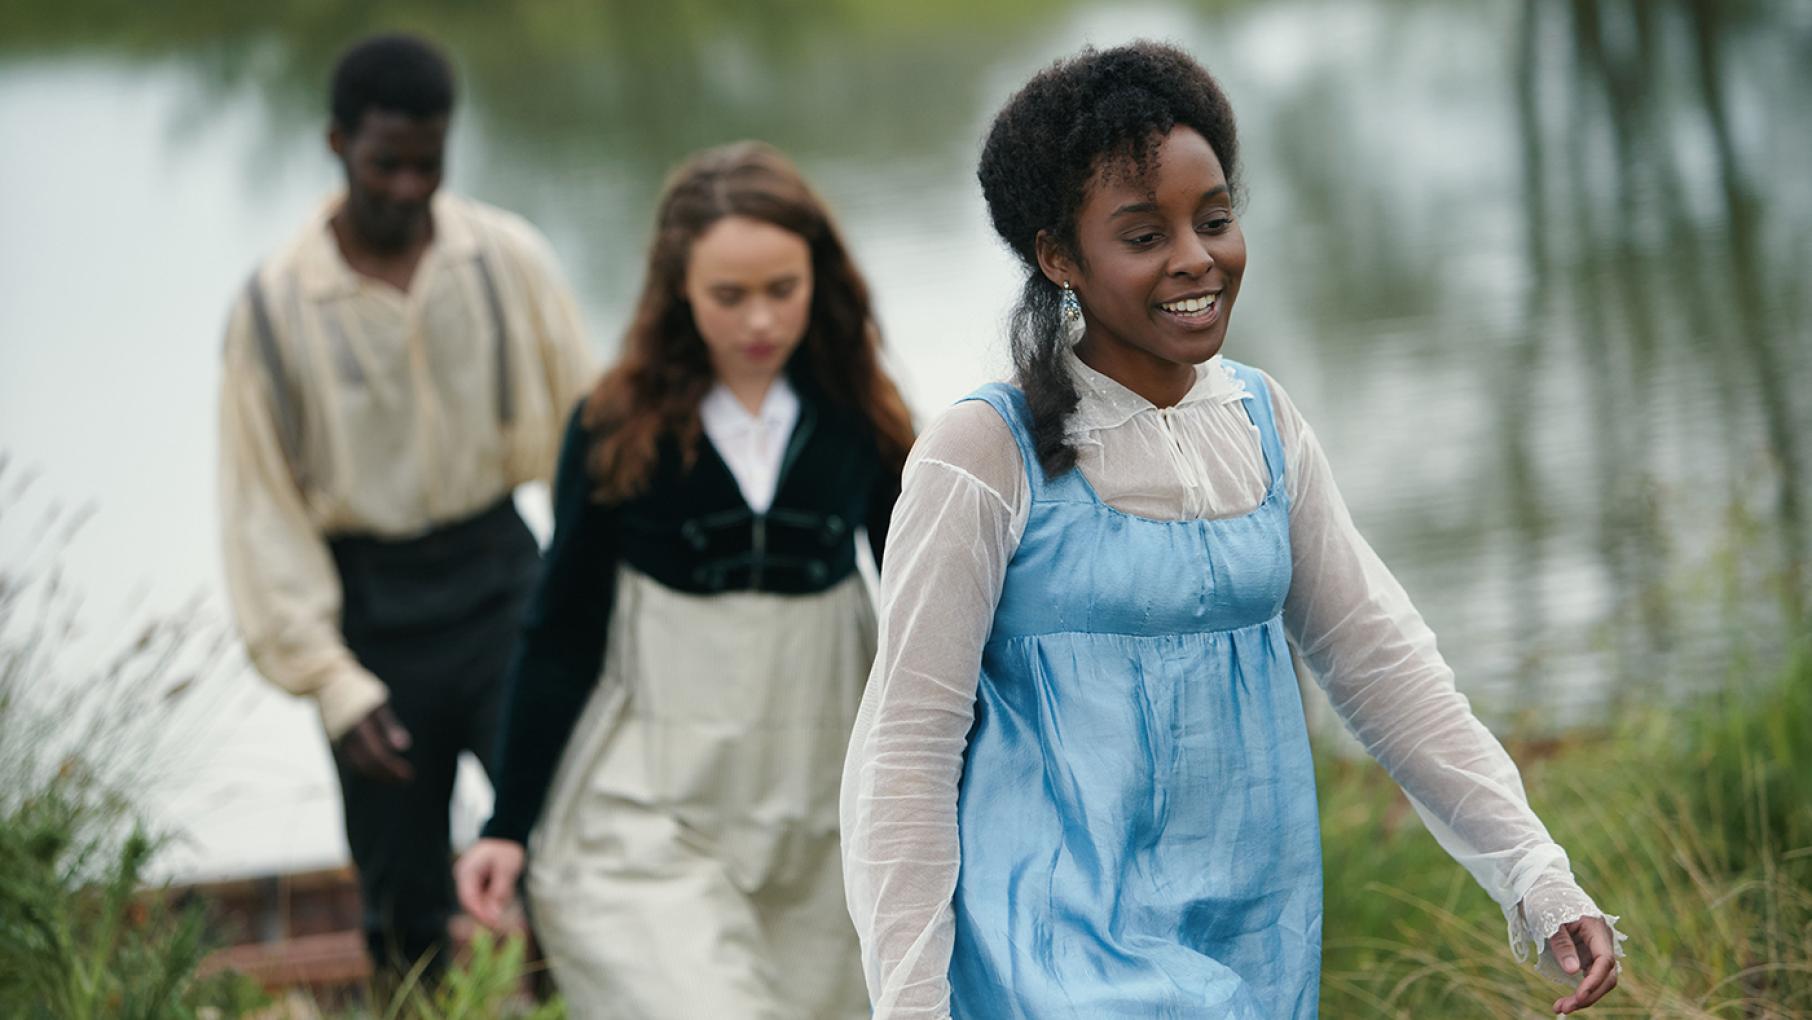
(1166, 257)
(1080, 783)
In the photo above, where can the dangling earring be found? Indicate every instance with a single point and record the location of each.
(1070, 308)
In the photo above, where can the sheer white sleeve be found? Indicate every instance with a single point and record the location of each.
(1375, 657)
(961, 510)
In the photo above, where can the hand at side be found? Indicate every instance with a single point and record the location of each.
(1585, 947)
(486, 877)
(375, 745)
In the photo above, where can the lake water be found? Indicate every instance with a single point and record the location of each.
(1539, 274)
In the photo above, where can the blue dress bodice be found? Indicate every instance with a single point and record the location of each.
(1137, 811)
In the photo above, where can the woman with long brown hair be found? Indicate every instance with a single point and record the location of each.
(691, 663)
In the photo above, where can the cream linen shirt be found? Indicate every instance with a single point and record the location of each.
(398, 397)
(955, 529)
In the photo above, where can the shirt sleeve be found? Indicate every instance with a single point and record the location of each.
(560, 652)
(956, 525)
(282, 586)
(1376, 658)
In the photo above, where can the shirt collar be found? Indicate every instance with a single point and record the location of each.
(323, 271)
(1106, 404)
(721, 411)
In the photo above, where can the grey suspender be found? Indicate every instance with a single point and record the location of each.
(506, 397)
(283, 395)
(286, 403)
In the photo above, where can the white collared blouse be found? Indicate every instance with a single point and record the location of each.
(751, 445)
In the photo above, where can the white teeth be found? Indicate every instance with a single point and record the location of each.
(1191, 305)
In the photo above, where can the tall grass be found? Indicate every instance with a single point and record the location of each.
(1692, 822)
(483, 983)
(85, 739)
(79, 740)
(80, 937)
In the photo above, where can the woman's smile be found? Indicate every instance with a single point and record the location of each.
(1194, 311)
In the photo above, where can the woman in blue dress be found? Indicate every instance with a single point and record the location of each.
(1079, 783)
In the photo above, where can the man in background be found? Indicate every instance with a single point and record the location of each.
(391, 376)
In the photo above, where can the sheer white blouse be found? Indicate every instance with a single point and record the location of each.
(956, 527)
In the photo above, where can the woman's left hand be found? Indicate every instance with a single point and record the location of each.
(1585, 946)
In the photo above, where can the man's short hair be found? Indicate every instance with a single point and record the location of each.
(400, 73)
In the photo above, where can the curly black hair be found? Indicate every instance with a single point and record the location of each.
(1098, 110)
(402, 73)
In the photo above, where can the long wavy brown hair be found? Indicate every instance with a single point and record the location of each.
(664, 371)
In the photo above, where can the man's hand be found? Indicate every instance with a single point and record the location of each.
(374, 747)
(486, 879)
(1585, 946)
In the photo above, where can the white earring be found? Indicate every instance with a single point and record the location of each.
(1069, 306)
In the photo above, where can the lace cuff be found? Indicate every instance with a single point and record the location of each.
(1555, 900)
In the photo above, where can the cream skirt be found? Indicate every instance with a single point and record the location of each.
(687, 863)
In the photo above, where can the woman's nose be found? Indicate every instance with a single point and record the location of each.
(761, 317)
(1190, 257)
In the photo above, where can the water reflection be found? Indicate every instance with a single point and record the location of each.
(1681, 317)
(1537, 274)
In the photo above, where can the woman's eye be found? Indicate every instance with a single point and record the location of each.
(1216, 224)
(781, 291)
(727, 298)
(1142, 240)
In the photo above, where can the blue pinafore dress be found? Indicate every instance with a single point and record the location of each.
(1137, 810)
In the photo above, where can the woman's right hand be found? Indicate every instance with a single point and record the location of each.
(486, 877)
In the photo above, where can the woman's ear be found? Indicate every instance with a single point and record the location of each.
(1056, 263)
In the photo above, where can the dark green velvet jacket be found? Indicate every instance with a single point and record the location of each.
(690, 530)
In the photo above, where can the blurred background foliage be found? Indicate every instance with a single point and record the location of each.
(1540, 274)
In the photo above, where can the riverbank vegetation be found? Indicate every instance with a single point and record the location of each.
(1691, 821)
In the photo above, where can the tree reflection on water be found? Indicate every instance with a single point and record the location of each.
(1684, 318)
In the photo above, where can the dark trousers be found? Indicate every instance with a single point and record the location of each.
(435, 618)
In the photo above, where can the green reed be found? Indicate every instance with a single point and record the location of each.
(1694, 822)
